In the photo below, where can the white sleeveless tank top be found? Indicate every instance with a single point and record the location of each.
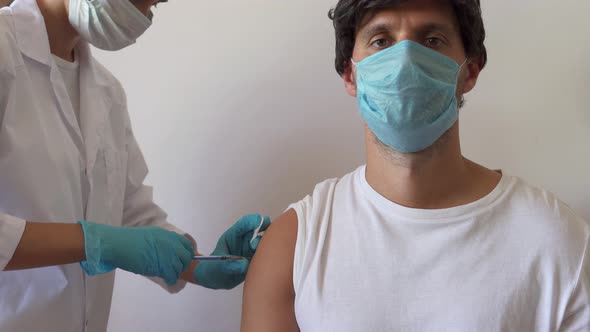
(510, 261)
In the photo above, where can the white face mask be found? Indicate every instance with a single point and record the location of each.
(108, 24)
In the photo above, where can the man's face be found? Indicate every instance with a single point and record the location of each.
(144, 5)
(431, 23)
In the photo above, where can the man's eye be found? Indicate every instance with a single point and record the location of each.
(380, 43)
(433, 42)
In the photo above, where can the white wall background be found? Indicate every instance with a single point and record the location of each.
(238, 109)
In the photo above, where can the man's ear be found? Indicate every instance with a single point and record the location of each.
(473, 67)
(349, 77)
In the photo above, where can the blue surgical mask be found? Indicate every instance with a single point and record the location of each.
(406, 95)
(108, 24)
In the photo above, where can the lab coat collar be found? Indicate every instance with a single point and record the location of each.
(31, 34)
(96, 95)
(33, 42)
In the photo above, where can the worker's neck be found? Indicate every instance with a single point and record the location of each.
(437, 178)
(62, 36)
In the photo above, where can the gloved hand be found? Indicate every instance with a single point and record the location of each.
(149, 251)
(236, 241)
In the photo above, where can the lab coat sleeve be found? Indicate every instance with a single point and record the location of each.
(11, 231)
(11, 228)
(139, 207)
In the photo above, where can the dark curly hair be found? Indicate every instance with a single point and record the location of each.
(349, 14)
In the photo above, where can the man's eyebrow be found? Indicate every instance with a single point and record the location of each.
(438, 27)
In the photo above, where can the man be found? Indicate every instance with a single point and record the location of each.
(72, 173)
(419, 239)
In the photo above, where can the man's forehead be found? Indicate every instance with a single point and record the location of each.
(437, 14)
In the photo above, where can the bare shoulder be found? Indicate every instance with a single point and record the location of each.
(269, 283)
(282, 233)
(276, 249)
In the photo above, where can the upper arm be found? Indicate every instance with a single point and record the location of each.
(577, 315)
(268, 303)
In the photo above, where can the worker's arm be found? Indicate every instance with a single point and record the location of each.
(268, 303)
(188, 275)
(149, 251)
(46, 244)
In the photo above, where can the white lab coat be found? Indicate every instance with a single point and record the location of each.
(54, 170)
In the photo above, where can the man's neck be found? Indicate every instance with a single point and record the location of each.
(62, 36)
(434, 179)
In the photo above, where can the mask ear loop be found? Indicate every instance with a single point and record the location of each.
(457, 82)
(459, 71)
(463, 64)
(355, 65)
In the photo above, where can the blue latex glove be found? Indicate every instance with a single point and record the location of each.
(236, 241)
(149, 251)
